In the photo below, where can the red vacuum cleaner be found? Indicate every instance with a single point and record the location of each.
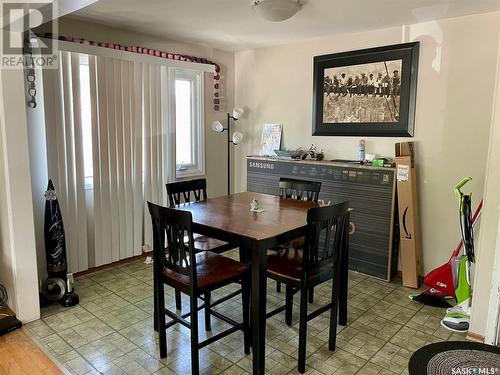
(440, 280)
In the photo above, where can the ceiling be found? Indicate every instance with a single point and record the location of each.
(232, 25)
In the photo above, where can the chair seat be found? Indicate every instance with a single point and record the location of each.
(213, 271)
(286, 266)
(205, 243)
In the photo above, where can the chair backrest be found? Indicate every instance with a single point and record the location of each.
(180, 192)
(327, 233)
(299, 189)
(173, 228)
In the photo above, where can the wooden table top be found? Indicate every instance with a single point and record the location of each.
(231, 214)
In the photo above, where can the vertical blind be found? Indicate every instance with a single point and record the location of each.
(65, 153)
(131, 154)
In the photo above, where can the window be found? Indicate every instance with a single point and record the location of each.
(186, 106)
(189, 120)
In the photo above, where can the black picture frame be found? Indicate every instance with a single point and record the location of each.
(403, 121)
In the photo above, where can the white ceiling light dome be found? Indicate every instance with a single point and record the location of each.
(276, 10)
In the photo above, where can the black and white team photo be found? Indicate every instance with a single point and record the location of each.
(362, 93)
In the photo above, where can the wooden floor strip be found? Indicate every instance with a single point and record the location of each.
(20, 355)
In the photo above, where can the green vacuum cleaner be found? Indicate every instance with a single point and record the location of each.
(457, 318)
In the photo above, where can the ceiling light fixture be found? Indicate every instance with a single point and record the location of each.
(276, 10)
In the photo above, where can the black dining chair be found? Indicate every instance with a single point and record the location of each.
(180, 266)
(316, 262)
(301, 190)
(184, 192)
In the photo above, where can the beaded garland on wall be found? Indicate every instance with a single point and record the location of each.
(153, 52)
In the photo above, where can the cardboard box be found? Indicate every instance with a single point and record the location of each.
(410, 243)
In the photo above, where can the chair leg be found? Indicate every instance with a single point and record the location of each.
(155, 304)
(311, 295)
(178, 300)
(245, 303)
(333, 315)
(207, 312)
(289, 305)
(162, 329)
(278, 286)
(302, 330)
(195, 360)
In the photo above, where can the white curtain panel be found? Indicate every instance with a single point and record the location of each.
(131, 153)
(65, 154)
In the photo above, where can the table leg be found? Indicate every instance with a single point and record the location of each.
(259, 292)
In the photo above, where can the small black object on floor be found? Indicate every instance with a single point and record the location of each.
(9, 323)
(458, 357)
(431, 300)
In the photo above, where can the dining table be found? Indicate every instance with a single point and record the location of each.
(277, 221)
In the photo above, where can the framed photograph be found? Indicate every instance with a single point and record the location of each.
(271, 139)
(370, 92)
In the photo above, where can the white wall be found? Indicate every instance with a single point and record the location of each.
(18, 254)
(454, 102)
(38, 165)
(488, 233)
(6, 261)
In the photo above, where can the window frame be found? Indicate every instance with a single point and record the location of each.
(196, 77)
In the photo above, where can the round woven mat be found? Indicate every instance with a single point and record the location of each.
(455, 357)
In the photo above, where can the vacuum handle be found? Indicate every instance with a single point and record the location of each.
(474, 221)
(460, 185)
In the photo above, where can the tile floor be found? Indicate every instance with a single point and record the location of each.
(111, 331)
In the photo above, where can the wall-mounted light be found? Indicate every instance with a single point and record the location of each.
(235, 138)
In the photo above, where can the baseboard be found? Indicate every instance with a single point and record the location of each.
(114, 264)
(475, 337)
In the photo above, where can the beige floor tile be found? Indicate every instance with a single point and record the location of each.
(38, 329)
(111, 331)
(75, 363)
(392, 358)
(376, 326)
(56, 344)
(70, 317)
(393, 311)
